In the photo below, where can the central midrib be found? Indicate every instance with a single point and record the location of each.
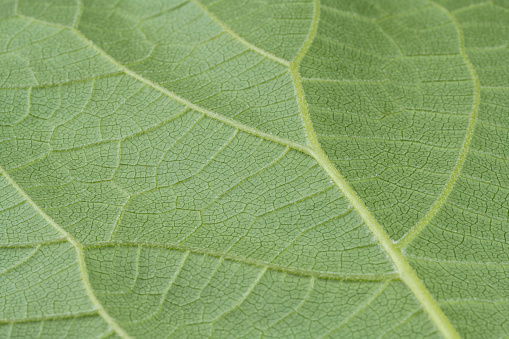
(405, 271)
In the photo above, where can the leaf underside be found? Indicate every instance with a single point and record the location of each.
(272, 168)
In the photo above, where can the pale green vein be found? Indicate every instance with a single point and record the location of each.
(107, 334)
(471, 6)
(404, 269)
(79, 254)
(204, 286)
(204, 111)
(79, 12)
(119, 140)
(21, 262)
(299, 90)
(414, 232)
(174, 96)
(33, 244)
(474, 301)
(62, 83)
(457, 262)
(120, 215)
(399, 325)
(244, 297)
(49, 318)
(299, 306)
(359, 309)
(167, 289)
(130, 288)
(239, 38)
(406, 272)
(252, 262)
(311, 35)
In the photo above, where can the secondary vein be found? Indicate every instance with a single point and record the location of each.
(240, 39)
(204, 111)
(414, 232)
(233, 123)
(253, 262)
(405, 271)
(79, 253)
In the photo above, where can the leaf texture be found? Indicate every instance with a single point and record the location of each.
(272, 168)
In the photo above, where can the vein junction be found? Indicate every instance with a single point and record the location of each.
(312, 148)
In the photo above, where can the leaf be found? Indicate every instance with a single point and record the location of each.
(299, 169)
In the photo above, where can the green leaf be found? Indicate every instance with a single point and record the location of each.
(271, 168)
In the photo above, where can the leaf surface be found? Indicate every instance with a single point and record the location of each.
(300, 169)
